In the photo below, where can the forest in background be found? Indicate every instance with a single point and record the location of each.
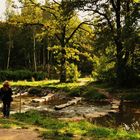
(51, 40)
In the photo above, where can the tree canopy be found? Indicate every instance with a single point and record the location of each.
(51, 37)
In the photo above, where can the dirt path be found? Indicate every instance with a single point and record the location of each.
(18, 134)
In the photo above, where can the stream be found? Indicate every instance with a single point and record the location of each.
(130, 114)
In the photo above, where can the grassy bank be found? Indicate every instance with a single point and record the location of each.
(65, 130)
(84, 87)
(50, 83)
(80, 88)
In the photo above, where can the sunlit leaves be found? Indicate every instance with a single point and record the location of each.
(136, 1)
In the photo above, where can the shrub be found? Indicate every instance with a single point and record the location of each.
(39, 75)
(72, 73)
(5, 75)
(104, 70)
(21, 75)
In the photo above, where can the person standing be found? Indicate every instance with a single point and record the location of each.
(6, 97)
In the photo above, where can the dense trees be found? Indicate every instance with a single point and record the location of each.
(51, 37)
(119, 19)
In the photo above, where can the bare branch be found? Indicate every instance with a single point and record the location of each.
(56, 2)
(58, 37)
(84, 29)
(106, 17)
(85, 22)
(30, 23)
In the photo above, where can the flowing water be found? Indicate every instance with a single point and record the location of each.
(129, 115)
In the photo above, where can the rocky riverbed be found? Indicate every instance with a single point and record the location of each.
(104, 112)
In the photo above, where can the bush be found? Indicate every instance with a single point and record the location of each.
(104, 70)
(39, 75)
(5, 75)
(21, 75)
(72, 73)
(105, 76)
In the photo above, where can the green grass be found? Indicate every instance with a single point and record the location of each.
(69, 130)
(9, 123)
(50, 83)
(66, 130)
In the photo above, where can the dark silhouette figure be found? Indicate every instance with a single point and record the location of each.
(6, 97)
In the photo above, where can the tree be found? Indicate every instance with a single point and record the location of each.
(30, 17)
(121, 18)
(61, 14)
(9, 14)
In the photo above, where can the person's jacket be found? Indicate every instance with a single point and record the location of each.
(6, 94)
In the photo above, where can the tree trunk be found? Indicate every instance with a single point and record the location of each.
(48, 64)
(120, 66)
(8, 58)
(10, 45)
(119, 46)
(63, 66)
(34, 51)
(63, 57)
(44, 57)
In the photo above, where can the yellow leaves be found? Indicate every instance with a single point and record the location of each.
(136, 1)
(30, 13)
(54, 48)
(72, 53)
